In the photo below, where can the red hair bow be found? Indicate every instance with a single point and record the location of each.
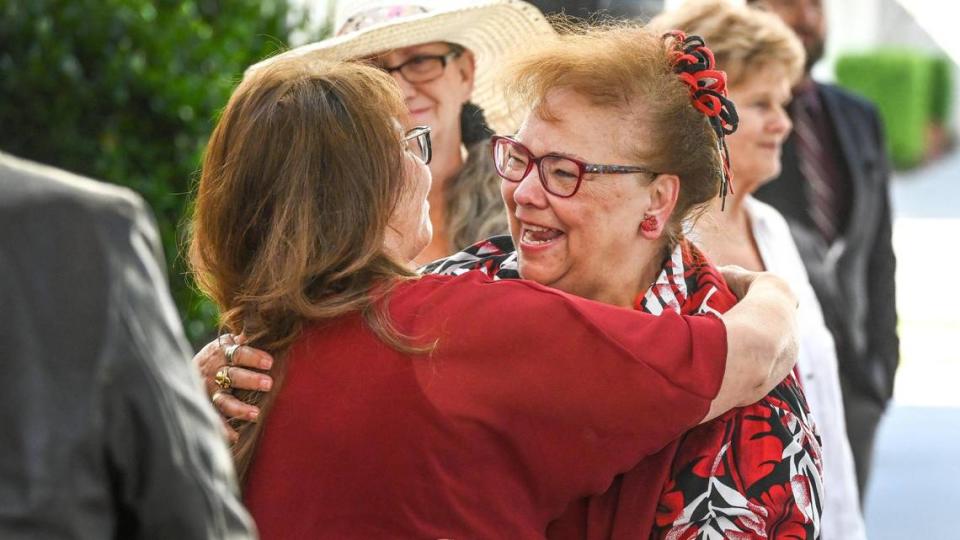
(695, 66)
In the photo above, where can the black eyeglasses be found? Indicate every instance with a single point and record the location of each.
(423, 67)
(418, 141)
(559, 175)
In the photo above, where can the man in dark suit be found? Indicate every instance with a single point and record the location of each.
(834, 191)
(106, 431)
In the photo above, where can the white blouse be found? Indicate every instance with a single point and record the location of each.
(842, 518)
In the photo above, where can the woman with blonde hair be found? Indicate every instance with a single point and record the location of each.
(753, 471)
(763, 59)
(441, 406)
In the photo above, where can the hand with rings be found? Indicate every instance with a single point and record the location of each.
(226, 364)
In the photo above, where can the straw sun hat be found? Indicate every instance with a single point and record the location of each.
(492, 29)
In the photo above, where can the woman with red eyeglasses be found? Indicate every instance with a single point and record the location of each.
(624, 144)
(428, 406)
(599, 186)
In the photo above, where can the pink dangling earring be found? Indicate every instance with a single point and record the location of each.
(649, 224)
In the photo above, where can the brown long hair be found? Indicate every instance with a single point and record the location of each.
(299, 180)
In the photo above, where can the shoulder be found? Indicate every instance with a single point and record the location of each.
(850, 102)
(65, 227)
(53, 211)
(706, 290)
(766, 218)
(495, 256)
(781, 256)
(474, 299)
(776, 243)
(63, 202)
(25, 182)
(80, 247)
(464, 287)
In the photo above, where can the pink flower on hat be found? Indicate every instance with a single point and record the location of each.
(370, 17)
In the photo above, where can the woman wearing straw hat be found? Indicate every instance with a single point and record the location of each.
(443, 55)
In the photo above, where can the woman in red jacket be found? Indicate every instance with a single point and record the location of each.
(438, 406)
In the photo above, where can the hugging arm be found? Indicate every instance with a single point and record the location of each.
(761, 339)
(761, 350)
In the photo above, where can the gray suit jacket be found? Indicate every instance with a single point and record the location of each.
(106, 431)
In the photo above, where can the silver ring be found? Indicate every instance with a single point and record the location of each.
(229, 352)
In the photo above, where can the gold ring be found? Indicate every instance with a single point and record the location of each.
(222, 378)
(229, 351)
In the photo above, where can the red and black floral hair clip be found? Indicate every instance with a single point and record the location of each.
(694, 64)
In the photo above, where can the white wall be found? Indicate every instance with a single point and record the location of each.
(857, 25)
(318, 11)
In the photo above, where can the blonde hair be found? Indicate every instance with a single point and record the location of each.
(300, 178)
(627, 68)
(743, 39)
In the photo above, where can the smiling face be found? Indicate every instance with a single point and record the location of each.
(436, 103)
(590, 244)
(761, 99)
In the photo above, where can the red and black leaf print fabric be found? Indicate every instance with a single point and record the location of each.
(753, 472)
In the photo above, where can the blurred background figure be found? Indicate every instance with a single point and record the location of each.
(901, 55)
(763, 59)
(834, 192)
(106, 431)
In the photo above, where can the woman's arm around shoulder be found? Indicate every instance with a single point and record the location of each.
(761, 338)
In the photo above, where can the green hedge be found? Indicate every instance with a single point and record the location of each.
(941, 88)
(911, 89)
(127, 91)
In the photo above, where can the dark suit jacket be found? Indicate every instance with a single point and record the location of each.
(853, 277)
(106, 431)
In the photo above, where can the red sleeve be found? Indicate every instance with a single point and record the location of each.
(574, 390)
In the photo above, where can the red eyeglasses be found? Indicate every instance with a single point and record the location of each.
(559, 175)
